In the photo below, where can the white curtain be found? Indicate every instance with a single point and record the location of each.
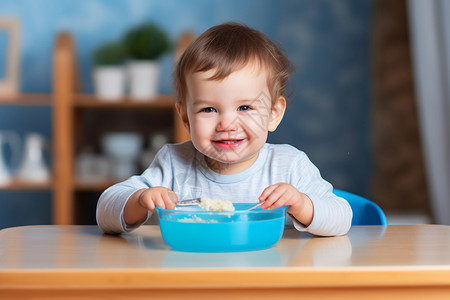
(430, 41)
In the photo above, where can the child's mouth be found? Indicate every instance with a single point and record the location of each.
(228, 144)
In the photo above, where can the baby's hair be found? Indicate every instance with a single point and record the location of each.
(227, 48)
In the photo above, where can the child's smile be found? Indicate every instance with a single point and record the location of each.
(228, 144)
(229, 119)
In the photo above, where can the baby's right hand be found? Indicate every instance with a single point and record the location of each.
(158, 196)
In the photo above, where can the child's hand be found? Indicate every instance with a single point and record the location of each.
(158, 196)
(284, 194)
(143, 200)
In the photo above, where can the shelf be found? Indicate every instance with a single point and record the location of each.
(71, 111)
(81, 186)
(17, 185)
(27, 99)
(91, 101)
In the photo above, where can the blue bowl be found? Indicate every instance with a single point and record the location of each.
(196, 230)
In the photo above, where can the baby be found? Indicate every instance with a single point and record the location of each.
(230, 87)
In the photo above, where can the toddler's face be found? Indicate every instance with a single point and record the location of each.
(229, 119)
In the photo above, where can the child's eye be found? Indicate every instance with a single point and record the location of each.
(244, 107)
(208, 109)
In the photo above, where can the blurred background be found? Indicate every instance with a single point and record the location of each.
(369, 98)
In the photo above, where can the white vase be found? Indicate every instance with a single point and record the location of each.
(34, 168)
(11, 139)
(109, 82)
(144, 76)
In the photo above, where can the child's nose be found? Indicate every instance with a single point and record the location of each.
(227, 122)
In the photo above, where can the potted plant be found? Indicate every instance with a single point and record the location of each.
(109, 73)
(145, 44)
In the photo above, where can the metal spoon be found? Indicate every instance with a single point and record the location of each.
(256, 206)
(189, 202)
(196, 202)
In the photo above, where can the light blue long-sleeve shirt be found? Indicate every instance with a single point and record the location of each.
(181, 168)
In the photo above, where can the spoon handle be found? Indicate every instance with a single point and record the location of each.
(256, 206)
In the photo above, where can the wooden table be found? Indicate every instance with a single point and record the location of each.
(371, 262)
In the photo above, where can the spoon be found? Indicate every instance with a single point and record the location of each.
(255, 206)
(196, 202)
(189, 202)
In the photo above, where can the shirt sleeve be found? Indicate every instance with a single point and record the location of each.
(111, 203)
(332, 214)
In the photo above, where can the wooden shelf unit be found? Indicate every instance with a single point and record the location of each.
(68, 106)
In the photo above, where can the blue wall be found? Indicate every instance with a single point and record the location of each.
(327, 40)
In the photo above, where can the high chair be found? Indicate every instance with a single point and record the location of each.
(365, 212)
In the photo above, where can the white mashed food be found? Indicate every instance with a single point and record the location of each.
(211, 204)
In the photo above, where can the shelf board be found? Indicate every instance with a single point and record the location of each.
(81, 186)
(17, 185)
(27, 99)
(92, 101)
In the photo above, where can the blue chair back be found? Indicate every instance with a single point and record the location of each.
(365, 212)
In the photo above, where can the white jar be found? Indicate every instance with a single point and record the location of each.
(109, 82)
(144, 77)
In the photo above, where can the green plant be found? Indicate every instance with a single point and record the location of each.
(111, 53)
(147, 41)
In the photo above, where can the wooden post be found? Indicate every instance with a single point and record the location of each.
(180, 133)
(9, 86)
(64, 72)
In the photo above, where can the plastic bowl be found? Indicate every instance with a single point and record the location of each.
(196, 230)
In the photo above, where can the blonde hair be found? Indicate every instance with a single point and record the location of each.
(227, 48)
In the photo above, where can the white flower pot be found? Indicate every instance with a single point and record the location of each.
(109, 82)
(144, 79)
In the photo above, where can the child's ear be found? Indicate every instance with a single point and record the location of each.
(278, 109)
(184, 117)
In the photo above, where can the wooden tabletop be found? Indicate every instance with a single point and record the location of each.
(412, 259)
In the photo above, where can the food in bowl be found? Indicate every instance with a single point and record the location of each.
(197, 230)
(212, 204)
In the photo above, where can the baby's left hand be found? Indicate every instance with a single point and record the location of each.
(284, 194)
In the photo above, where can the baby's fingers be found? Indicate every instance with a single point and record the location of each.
(145, 200)
(170, 199)
(275, 199)
(274, 193)
(266, 193)
(158, 199)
